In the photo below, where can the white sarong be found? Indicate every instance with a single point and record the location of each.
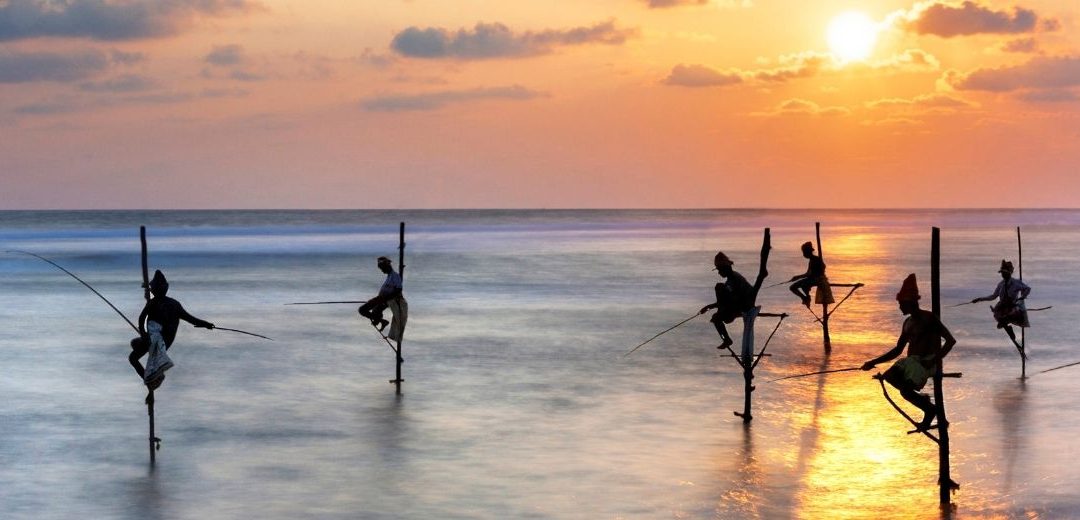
(400, 308)
(158, 360)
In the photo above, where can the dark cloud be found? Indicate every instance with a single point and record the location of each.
(700, 76)
(107, 19)
(948, 20)
(436, 100)
(1048, 96)
(43, 66)
(1054, 72)
(1022, 45)
(225, 55)
(495, 40)
(125, 83)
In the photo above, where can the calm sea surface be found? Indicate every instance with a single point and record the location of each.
(518, 402)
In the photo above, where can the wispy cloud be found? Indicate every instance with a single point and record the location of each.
(439, 99)
(495, 40)
(664, 4)
(106, 19)
(47, 66)
(125, 83)
(803, 107)
(1048, 96)
(924, 102)
(225, 55)
(700, 76)
(1049, 72)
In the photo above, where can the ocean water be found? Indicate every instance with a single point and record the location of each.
(518, 401)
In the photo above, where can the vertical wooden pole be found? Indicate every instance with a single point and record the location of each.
(944, 477)
(401, 271)
(746, 358)
(824, 306)
(1020, 268)
(146, 296)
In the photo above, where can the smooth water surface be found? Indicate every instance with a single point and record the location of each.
(518, 401)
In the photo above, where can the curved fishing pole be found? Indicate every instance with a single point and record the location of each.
(669, 329)
(103, 298)
(243, 332)
(833, 371)
(324, 303)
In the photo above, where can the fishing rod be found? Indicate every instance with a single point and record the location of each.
(325, 303)
(815, 373)
(669, 329)
(778, 284)
(1059, 368)
(106, 300)
(244, 332)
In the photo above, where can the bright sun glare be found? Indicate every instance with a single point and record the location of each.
(852, 36)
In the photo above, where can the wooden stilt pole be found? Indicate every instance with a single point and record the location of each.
(146, 295)
(401, 271)
(747, 359)
(824, 306)
(1020, 268)
(944, 478)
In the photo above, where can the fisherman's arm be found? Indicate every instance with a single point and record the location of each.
(997, 292)
(948, 345)
(707, 307)
(899, 348)
(142, 319)
(193, 320)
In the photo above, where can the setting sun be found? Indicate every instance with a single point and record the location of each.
(852, 35)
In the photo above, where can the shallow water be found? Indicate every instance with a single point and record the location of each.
(518, 402)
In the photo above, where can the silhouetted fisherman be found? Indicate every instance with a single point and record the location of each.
(923, 333)
(733, 297)
(390, 291)
(157, 328)
(1010, 309)
(813, 277)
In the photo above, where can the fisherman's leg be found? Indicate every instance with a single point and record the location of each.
(801, 289)
(721, 329)
(921, 401)
(1012, 336)
(139, 348)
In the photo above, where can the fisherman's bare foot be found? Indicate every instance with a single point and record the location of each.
(149, 398)
(806, 302)
(382, 325)
(726, 343)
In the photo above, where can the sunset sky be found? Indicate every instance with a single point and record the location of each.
(529, 103)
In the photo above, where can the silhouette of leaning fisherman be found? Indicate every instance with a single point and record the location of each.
(390, 296)
(157, 329)
(1010, 309)
(733, 297)
(813, 277)
(923, 333)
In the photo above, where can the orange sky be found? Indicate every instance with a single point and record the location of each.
(469, 103)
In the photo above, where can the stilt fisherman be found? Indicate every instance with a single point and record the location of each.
(390, 296)
(813, 277)
(733, 297)
(158, 323)
(1010, 309)
(922, 333)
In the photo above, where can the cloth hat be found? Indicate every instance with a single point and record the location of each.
(1006, 267)
(721, 258)
(909, 291)
(158, 284)
(808, 246)
(384, 260)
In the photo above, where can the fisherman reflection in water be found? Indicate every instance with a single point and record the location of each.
(733, 297)
(157, 329)
(1010, 309)
(389, 292)
(923, 333)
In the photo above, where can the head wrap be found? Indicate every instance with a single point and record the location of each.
(909, 291)
(1006, 267)
(721, 258)
(159, 285)
(808, 246)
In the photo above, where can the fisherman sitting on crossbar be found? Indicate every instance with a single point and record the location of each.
(734, 297)
(391, 289)
(923, 333)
